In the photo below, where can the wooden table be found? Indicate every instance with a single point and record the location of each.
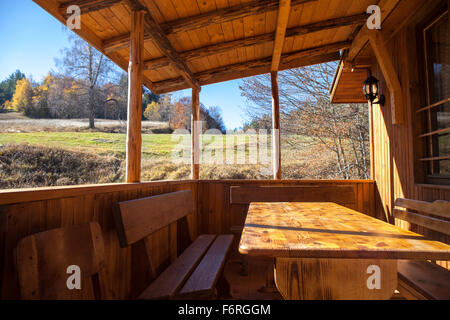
(327, 251)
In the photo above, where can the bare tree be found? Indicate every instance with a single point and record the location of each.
(87, 65)
(306, 110)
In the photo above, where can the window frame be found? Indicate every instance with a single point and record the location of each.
(427, 134)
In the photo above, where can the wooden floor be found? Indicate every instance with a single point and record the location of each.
(246, 287)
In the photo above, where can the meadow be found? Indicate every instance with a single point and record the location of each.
(36, 155)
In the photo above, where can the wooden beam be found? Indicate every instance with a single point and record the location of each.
(361, 39)
(211, 18)
(222, 47)
(195, 134)
(280, 32)
(134, 138)
(163, 43)
(390, 75)
(86, 6)
(226, 15)
(296, 59)
(276, 127)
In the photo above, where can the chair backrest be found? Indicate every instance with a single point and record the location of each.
(440, 209)
(45, 263)
(137, 219)
(313, 193)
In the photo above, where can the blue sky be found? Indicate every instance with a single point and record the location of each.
(31, 39)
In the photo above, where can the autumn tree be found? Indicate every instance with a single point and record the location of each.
(88, 66)
(22, 100)
(152, 112)
(8, 87)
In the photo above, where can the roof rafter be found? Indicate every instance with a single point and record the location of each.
(325, 53)
(280, 32)
(362, 38)
(222, 47)
(206, 19)
(163, 43)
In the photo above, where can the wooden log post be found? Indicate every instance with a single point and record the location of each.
(276, 134)
(195, 134)
(134, 138)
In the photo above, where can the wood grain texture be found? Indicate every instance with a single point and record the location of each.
(36, 211)
(43, 260)
(424, 280)
(204, 279)
(172, 279)
(139, 218)
(276, 124)
(328, 230)
(284, 11)
(134, 136)
(333, 279)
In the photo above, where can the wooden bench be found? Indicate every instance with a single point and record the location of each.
(423, 279)
(198, 271)
(43, 260)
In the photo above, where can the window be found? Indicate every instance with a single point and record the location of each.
(436, 115)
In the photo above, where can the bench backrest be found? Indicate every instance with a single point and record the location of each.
(136, 219)
(314, 193)
(43, 260)
(440, 209)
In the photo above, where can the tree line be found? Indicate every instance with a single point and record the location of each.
(88, 85)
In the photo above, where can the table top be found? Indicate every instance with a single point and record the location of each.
(328, 230)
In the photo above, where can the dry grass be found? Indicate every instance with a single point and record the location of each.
(34, 166)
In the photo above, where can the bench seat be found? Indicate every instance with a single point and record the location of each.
(202, 282)
(172, 279)
(423, 280)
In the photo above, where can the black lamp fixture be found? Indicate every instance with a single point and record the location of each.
(371, 91)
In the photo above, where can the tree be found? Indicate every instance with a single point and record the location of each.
(22, 100)
(305, 110)
(91, 69)
(152, 112)
(8, 87)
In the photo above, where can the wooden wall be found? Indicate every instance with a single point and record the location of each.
(25, 212)
(396, 149)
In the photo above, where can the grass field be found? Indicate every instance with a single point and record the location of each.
(64, 157)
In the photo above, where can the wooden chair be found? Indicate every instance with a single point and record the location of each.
(43, 259)
(423, 279)
(198, 271)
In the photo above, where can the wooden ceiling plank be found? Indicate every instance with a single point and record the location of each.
(222, 47)
(204, 20)
(297, 59)
(86, 6)
(280, 32)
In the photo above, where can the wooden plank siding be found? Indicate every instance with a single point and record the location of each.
(30, 211)
(397, 171)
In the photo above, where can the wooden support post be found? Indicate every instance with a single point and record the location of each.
(390, 75)
(276, 133)
(195, 134)
(134, 138)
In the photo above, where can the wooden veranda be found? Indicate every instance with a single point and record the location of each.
(169, 45)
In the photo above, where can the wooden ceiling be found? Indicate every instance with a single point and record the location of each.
(190, 43)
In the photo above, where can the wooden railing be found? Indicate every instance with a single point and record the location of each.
(24, 212)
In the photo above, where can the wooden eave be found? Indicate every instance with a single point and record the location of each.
(192, 43)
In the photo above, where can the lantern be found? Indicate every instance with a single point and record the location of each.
(371, 91)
